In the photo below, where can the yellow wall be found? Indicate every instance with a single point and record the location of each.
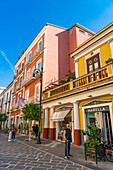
(81, 66)
(105, 53)
(85, 101)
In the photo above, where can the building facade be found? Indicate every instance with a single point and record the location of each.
(5, 103)
(89, 97)
(50, 49)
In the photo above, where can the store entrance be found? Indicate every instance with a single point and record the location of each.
(61, 125)
(102, 121)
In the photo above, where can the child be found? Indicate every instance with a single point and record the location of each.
(10, 133)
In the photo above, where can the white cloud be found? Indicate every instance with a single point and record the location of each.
(103, 20)
(7, 60)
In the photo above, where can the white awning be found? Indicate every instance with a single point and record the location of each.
(59, 115)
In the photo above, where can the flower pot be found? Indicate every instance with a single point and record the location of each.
(18, 131)
(26, 132)
(94, 151)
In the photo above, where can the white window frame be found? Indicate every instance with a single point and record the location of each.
(19, 94)
(37, 85)
(21, 65)
(11, 118)
(27, 73)
(13, 101)
(40, 60)
(31, 54)
(16, 120)
(38, 45)
(27, 91)
(19, 82)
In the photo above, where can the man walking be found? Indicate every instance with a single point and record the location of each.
(13, 132)
(68, 140)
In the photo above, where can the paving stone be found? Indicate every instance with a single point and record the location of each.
(19, 167)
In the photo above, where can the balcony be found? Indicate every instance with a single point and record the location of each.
(29, 79)
(98, 77)
(32, 99)
(27, 63)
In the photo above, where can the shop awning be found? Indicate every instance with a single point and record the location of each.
(59, 115)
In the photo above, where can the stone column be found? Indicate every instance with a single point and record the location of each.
(76, 69)
(46, 123)
(51, 124)
(77, 140)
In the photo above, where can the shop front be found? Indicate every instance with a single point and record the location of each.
(23, 124)
(62, 117)
(99, 113)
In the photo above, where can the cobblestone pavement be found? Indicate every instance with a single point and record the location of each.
(19, 155)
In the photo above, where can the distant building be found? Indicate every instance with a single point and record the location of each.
(1, 89)
(5, 102)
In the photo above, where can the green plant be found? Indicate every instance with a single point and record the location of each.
(19, 126)
(71, 76)
(109, 60)
(93, 134)
(31, 112)
(27, 127)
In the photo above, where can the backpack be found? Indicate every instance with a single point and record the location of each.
(14, 129)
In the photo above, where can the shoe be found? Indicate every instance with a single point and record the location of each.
(66, 157)
(70, 155)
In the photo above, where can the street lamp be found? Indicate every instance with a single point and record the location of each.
(37, 71)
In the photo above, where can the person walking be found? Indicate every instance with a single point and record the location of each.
(13, 132)
(68, 140)
(10, 133)
(36, 130)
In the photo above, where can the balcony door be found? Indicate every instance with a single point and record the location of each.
(93, 64)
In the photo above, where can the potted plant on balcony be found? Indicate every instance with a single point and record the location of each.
(92, 147)
(109, 61)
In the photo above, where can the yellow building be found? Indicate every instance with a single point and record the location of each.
(88, 98)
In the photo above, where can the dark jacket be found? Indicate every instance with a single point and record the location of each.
(68, 134)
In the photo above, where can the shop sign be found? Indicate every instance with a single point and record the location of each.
(97, 109)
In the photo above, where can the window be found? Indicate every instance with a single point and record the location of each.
(93, 63)
(72, 32)
(28, 74)
(33, 68)
(30, 57)
(89, 35)
(22, 65)
(81, 31)
(37, 91)
(40, 46)
(13, 101)
(17, 72)
(27, 95)
(15, 87)
(39, 64)
(10, 94)
(19, 95)
(7, 97)
(20, 82)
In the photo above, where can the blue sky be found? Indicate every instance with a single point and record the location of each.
(21, 20)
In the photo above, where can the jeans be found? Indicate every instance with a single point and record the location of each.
(67, 147)
(13, 135)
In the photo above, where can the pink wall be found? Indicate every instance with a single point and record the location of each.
(81, 37)
(57, 60)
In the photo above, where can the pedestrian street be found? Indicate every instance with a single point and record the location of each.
(19, 155)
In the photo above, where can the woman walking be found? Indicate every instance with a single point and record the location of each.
(10, 133)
